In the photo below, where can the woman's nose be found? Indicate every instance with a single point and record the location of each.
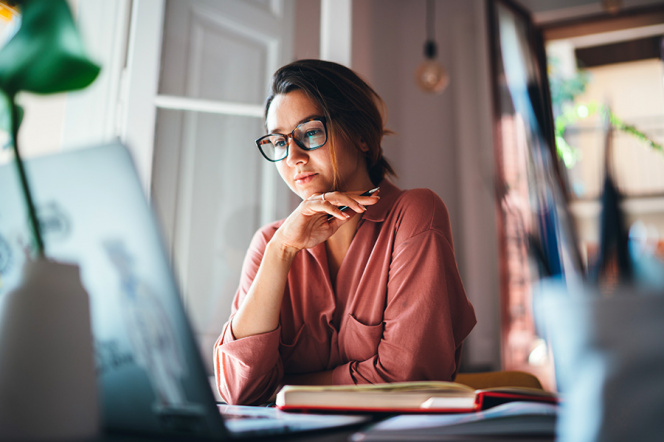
(295, 154)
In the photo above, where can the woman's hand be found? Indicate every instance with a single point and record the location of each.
(312, 222)
(319, 217)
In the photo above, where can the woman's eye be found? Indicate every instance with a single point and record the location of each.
(312, 133)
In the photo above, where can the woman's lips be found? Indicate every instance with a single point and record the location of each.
(305, 177)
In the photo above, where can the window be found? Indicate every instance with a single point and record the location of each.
(615, 66)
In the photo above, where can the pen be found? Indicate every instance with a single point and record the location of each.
(367, 193)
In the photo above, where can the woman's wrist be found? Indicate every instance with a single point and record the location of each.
(280, 250)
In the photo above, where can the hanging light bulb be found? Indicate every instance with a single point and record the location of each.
(431, 76)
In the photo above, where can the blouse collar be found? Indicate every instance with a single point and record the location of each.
(388, 195)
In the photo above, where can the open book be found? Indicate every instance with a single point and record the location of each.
(404, 397)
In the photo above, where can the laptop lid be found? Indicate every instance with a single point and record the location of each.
(93, 213)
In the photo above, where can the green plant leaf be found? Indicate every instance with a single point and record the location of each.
(46, 55)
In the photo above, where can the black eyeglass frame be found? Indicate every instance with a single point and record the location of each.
(291, 136)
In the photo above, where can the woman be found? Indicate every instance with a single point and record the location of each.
(368, 294)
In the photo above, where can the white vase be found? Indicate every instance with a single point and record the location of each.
(48, 385)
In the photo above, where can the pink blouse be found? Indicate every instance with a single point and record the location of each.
(399, 311)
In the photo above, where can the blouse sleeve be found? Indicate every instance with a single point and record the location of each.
(248, 370)
(427, 315)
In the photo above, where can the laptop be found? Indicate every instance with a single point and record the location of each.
(152, 381)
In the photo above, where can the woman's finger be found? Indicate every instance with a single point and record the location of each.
(324, 204)
(351, 200)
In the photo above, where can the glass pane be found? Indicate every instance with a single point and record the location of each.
(207, 189)
(209, 53)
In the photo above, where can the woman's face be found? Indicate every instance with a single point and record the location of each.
(311, 172)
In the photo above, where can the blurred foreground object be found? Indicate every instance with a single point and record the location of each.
(48, 386)
(46, 55)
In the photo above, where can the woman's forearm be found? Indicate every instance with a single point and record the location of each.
(259, 312)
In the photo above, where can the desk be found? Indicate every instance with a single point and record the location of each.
(339, 435)
(329, 435)
(526, 421)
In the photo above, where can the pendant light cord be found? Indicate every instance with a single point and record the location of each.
(431, 12)
(430, 49)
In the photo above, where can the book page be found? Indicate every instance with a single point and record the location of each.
(439, 386)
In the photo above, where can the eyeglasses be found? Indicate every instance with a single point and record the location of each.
(308, 135)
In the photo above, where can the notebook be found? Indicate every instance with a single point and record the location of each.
(152, 380)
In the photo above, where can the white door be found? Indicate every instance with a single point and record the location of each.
(210, 186)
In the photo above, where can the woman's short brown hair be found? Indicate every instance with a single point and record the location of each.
(352, 108)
